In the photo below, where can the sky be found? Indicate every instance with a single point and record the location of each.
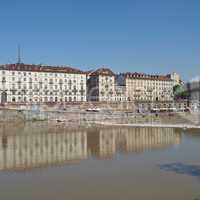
(149, 36)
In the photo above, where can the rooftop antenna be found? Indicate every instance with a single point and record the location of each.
(18, 55)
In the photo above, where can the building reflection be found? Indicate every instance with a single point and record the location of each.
(27, 147)
(104, 143)
(27, 150)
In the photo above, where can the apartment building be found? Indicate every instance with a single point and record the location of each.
(101, 85)
(24, 83)
(144, 87)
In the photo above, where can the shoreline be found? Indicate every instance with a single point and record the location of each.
(153, 125)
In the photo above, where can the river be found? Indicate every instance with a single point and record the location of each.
(40, 161)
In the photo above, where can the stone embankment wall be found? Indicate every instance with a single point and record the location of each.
(29, 115)
(11, 116)
(73, 106)
(83, 118)
(21, 115)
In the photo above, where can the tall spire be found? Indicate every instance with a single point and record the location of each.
(18, 55)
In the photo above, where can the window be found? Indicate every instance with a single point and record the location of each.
(3, 79)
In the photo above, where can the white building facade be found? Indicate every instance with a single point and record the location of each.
(21, 83)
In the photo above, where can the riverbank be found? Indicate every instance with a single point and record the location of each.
(103, 118)
(153, 125)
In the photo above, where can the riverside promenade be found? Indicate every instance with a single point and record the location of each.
(184, 126)
(103, 118)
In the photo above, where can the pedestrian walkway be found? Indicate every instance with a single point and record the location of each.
(184, 126)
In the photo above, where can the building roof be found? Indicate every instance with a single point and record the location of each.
(136, 75)
(40, 68)
(102, 72)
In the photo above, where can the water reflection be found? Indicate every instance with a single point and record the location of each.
(194, 133)
(180, 168)
(104, 143)
(27, 147)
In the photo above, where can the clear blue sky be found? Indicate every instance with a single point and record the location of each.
(152, 36)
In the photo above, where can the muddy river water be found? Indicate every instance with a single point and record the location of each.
(39, 161)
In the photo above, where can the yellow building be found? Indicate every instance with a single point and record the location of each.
(144, 87)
